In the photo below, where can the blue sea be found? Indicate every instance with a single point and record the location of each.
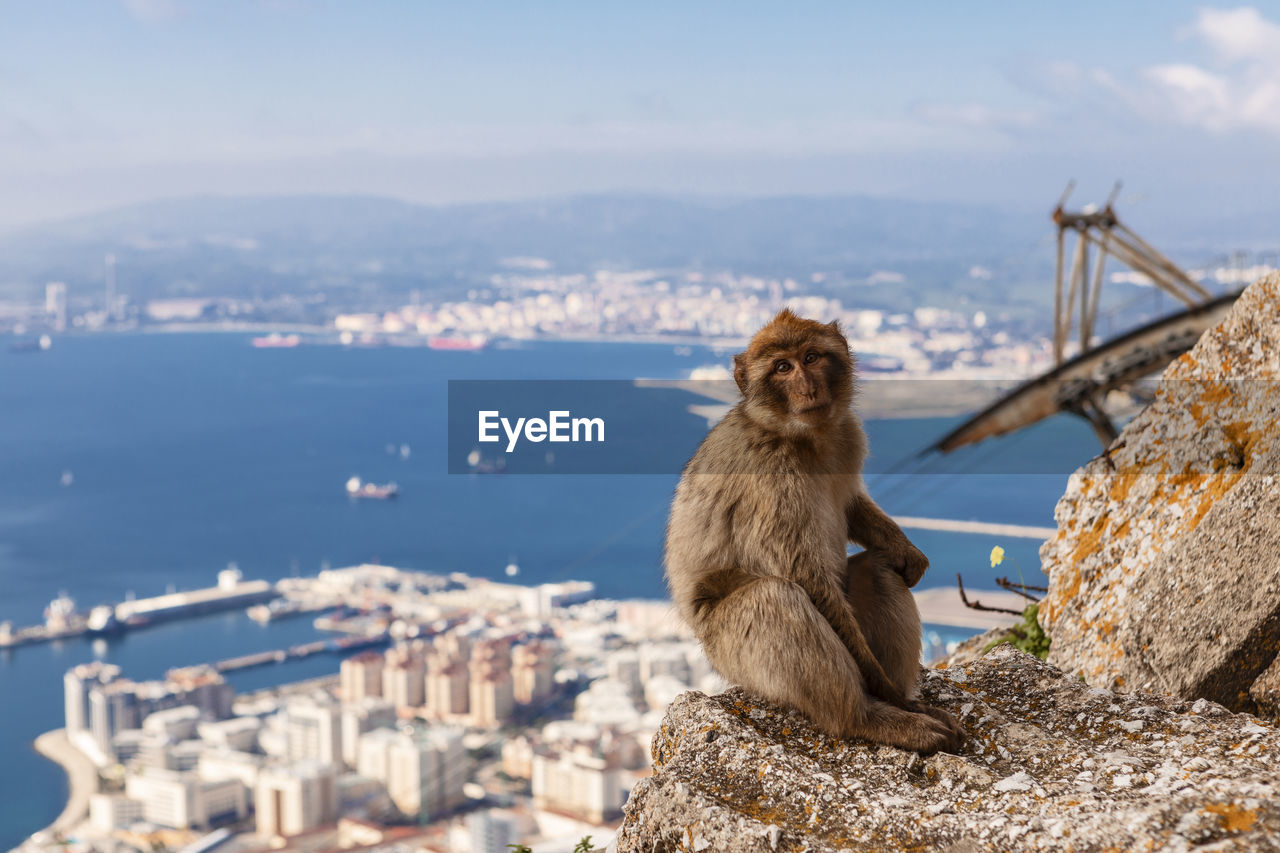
(187, 452)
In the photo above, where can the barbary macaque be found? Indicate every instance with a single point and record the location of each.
(756, 551)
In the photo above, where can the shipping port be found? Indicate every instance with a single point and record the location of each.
(63, 621)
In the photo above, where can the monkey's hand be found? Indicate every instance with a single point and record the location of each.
(909, 561)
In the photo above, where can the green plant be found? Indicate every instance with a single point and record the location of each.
(519, 848)
(583, 846)
(1026, 635)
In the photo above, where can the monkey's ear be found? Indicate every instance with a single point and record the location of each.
(740, 371)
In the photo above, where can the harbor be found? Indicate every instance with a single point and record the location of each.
(63, 621)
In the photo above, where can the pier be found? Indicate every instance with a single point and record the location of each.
(304, 650)
(64, 622)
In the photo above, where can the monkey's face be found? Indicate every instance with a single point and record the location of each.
(797, 374)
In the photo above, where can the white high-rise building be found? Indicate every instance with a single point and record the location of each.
(360, 677)
(313, 730)
(404, 681)
(532, 667)
(76, 686)
(583, 785)
(424, 769)
(295, 798)
(448, 687)
(55, 304)
(359, 718)
(492, 693)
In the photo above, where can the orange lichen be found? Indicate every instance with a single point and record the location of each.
(1122, 484)
(1089, 541)
(1234, 818)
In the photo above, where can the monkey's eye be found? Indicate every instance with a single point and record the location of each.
(781, 366)
(811, 356)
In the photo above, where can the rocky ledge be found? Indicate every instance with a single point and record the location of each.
(1051, 764)
(1165, 570)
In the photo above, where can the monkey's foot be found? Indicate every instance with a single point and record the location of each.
(917, 732)
(947, 719)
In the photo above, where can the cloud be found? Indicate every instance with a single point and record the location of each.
(1239, 34)
(1241, 89)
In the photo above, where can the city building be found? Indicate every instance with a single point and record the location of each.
(360, 677)
(582, 785)
(313, 729)
(493, 831)
(403, 678)
(173, 724)
(235, 734)
(359, 718)
(184, 801)
(295, 798)
(99, 701)
(109, 812)
(532, 666)
(447, 687)
(76, 685)
(423, 768)
(55, 304)
(492, 693)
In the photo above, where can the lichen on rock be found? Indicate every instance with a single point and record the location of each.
(1050, 764)
(1165, 570)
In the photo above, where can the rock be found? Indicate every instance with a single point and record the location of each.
(1165, 571)
(974, 647)
(1265, 692)
(1051, 764)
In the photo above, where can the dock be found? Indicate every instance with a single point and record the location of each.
(64, 622)
(303, 650)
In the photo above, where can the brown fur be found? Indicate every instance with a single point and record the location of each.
(756, 549)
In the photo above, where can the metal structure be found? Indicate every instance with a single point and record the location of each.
(1080, 383)
(1104, 231)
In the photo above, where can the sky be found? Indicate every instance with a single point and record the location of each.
(109, 102)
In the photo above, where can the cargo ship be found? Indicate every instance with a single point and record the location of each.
(40, 344)
(231, 592)
(275, 340)
(458, 342)
(373, 491)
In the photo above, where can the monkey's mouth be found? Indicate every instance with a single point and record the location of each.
(814, 409)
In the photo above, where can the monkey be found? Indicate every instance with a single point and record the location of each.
(756, 553)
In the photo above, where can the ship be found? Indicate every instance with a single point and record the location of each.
(374, 491)
(40, 344)
(281, 608)
(458, 342)
(275, 340)
(102, 620)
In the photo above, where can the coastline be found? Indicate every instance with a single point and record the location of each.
(82, 780)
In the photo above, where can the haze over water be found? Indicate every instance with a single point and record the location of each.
(187, 452)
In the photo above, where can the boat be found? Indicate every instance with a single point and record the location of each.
(275, 340)
(44, 342)
(102, 620)
(458, 342)
(374, 491)
(60, 612)
(281, 608)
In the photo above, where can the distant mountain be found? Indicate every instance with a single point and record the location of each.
(368, 252)
(591, 230)
(363, 245)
